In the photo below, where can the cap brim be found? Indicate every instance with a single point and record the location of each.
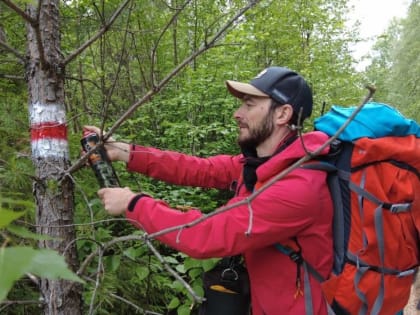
(239, 89)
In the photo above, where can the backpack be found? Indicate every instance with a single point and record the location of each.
(374, 180)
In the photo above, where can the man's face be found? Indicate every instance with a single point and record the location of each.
(255, 121)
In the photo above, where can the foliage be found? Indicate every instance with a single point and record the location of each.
(395, 64)
(192, 114)
(18, 261)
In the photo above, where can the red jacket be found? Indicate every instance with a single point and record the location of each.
(298, 205)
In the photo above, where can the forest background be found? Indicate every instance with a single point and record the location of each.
(153, 73)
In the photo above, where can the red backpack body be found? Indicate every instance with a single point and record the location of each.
(374, 180)
(380, 197)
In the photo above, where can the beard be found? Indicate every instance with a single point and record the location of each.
(258, 134)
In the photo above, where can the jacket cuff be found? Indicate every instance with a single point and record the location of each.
(134, 200)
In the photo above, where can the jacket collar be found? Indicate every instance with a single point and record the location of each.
(291, 153)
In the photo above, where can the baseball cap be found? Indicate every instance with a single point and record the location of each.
(281, 84)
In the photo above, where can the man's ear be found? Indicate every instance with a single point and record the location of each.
(283, 114)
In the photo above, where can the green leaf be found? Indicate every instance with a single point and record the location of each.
(183, 310)
(142, 272)
(45, 263)
(134, 252)
(194, 273)
(208, 264)
(7, 216)
(25, 233)
(49, 264)
(174, 303)
(13, 264)
(190, 263)
(112, 262)
(180, 268)
(171, 260)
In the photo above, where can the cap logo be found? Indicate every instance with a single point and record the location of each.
(259, 75)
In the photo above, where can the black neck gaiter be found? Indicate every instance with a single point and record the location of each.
(252, 162)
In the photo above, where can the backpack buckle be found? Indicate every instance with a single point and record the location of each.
(400, 207)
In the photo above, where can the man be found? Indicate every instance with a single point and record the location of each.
(296, 209)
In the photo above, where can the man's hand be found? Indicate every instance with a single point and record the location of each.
(115, 200)
(116, 151)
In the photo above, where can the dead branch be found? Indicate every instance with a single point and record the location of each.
(21, 58)
(248, 200)
(149, 95)
(103, 29)
(21, 12)
(12, 77)
(171, 21)
(144, 238)
(117, 72)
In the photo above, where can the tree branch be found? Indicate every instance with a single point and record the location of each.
(12, 77)
(13, 51)
(205, 46)
(19, 11)
(149, 95)
(145, 239)
(104, 28)
(273, 180)
(171, 21)
(38, 36)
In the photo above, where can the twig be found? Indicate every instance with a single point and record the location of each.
(145, 239)
(138, 308)
(104, 28)
(97, 282)
(7, 303)
(270, 182)
(149, 95)
(19, 11)
(20, 57)
(117, 72)
(196, 298)
(171, 21)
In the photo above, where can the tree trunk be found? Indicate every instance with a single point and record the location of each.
(53, 191)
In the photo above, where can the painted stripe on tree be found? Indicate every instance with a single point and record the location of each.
(48, 147)
(48, 131)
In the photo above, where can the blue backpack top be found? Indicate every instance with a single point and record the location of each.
(375, 120)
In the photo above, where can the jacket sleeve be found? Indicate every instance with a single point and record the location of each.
(283, 210)
(186, 170)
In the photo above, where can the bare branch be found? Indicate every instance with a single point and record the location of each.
(13, 51)
(97, 282)
(145, 239)
(104, 28)
(196, 298)
(39, 42)
(171, 21)
(12, 77)
(21, 12)
(134, 305)
(149, 95)
(273, 180)
(8, 303)
(117, 72)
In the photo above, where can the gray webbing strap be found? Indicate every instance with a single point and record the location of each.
(330, 311)
(394, 208)
(359, 274)
(307, 293)
(379, 228)
(353, 259)
(361, 270)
